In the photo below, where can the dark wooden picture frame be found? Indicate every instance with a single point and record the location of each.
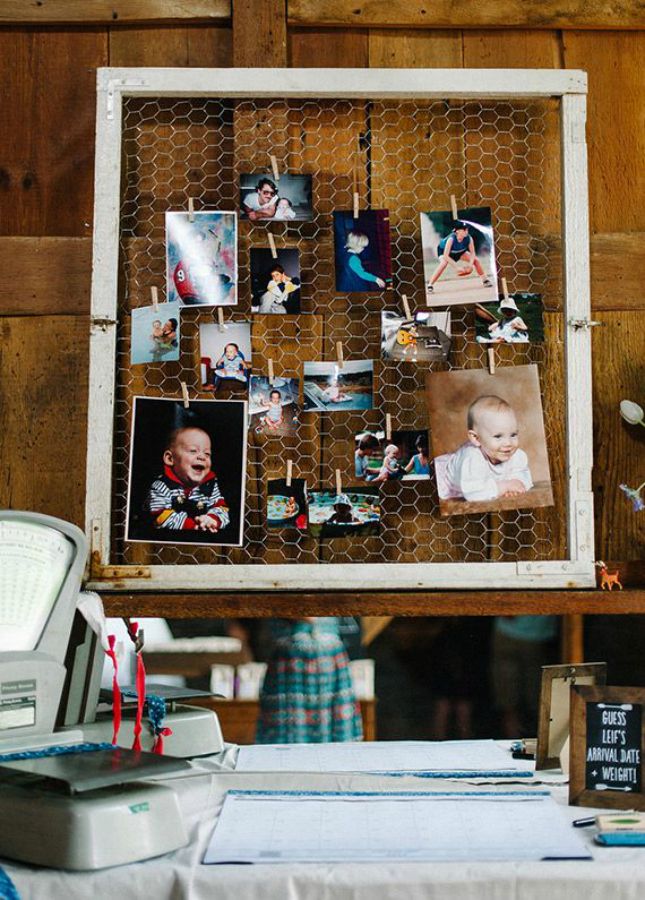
(616, 698)
(554, 712)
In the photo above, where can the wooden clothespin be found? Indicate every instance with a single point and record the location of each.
(453, 206)
(339, 483)
(289, 472)
(274, 167)
(154, 293)
(339, 354)
(491, 359)
(355, 190)
(406, 306)
(274, 252)
(184, 394)
(505, 289)
(220, 319)
(271, 373)
(388, 427)
(191, 209)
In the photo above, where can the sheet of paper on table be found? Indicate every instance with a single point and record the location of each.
(383, 757)
(330, 827)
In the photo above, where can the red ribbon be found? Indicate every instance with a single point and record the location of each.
(158, 744)
(140, 683)
(116, 692)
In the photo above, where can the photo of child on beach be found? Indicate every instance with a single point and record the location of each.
(155, 334)
(287, 504)
(187, 472)
(266, 199)
(362, 251)
(225, 356)
(352, 512)
(488, 440)
(328, 387)
(423, 338)
(459, 257)
(275, 281)
(516, 319)
(273, 405)
(201, 258)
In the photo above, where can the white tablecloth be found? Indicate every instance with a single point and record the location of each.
(613, 874)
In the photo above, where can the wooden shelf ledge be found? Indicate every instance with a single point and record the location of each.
(411, 603)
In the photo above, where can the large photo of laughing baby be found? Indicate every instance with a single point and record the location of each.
(187, 472)
(488, 440)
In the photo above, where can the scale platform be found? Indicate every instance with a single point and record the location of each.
(89, 810)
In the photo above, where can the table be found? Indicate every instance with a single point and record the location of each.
(614, 873)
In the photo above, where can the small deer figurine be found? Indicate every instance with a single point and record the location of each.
(608, 579)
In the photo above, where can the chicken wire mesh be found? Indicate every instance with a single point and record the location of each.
(405, 156)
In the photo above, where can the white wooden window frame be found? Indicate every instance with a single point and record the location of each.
(570, 87)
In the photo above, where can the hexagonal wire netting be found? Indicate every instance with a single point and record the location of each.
(410, 156)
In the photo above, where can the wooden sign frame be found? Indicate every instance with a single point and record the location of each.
(579, 794)
(554, 713)
(576, 569)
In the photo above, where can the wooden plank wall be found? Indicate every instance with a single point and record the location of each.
(47, 82)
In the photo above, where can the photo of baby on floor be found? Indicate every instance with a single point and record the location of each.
(225, 356)
(516, 319)
(488, 440)
(155, 334)
(273, 405)
(265, 199)
(459, 257)
(328, 387)
(275, 282)
(187, 472)
(353, 512)
(362, 251)
(201, 258)
(287, 504)
(405, 457)
(424, 338)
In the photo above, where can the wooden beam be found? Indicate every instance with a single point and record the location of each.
(414, 603)
(48, 79)
(260, 33)
(53, 273)
(43, 422)
(615, 133)
(111, 12)
(202, 46)
(601, 14)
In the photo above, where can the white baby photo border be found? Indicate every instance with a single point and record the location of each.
(577, 570)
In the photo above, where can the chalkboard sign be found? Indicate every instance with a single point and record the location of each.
(607, 745)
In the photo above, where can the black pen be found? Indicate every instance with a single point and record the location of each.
(582, 823)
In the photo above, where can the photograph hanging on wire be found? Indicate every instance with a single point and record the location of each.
(516, 319)
(332, 387)
(423, 338)
(201, 258)
(263, 198)
(488, 440)
(275, 281)
(273, 405)
(155, 334)
(404, 457)
(459, 257)
(287, 504)
(353, 512)
(187, 472)
(362, 251)
(225, 356)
